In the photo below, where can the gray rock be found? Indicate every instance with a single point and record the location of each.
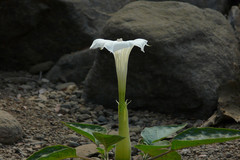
(72, 67)
(222, 6)
(192, 52)
(10, 128)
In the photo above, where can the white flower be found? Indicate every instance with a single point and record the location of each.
(121, 51)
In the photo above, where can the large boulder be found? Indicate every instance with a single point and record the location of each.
(35, 31)
(192, 52)
(10, 128)
(72, 67)
(222, 6)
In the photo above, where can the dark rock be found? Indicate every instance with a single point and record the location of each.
(234, 19)
(222, 6)
(72, 67)
(192, 52)
(10, 128)
(41, 67)
(35, 31)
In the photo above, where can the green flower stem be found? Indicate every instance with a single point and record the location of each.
(123, 148)
(106, 154)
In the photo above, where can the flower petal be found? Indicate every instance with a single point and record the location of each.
(141, 43)
(99, 43)
(113, 46)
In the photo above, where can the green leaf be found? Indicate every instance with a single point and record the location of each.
(107, 140)
(161, 143)
(199, 136)
(110, 147)
(57, 152)
(157, 133)
(149, 148)
(100, 150)
(172, 155)
(86, 129)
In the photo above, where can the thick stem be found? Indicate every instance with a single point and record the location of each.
(106, 154)
(123, 148)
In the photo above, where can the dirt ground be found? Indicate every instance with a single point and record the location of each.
(40, 106)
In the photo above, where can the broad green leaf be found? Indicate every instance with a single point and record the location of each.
(149, 148)
(161, 143)
(199, 136)
(107, 140)
(57, 152)
(157, 133)
(86, 129)
(100, 150)
(173, 155)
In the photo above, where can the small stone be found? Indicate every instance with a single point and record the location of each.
(83, 117)
(134, 119)
(102, 119)
(72, 137)
(43, 98)
(44, 80)
(78, 93)
(228, 155)
(42, 90)
(83, 110)
(136, 129)
(99, 108)
(64, 86)
(26, 87)
(39, 137)
(72, 144)
(71, 88)
(66, 105)
(202, 156)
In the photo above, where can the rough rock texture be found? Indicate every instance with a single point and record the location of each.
(222, 6)
(41, 67)
(10, 128)
(35, 31)
(192, 52)
(234, 19)
(72, 67)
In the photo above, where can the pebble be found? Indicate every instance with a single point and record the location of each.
(83, 117)
(72, 137)
(72, 144)
(64, 86)
(102, 119)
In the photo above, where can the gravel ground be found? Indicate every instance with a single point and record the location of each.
(40, 106)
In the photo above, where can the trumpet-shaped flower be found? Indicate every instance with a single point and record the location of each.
(121, 51)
